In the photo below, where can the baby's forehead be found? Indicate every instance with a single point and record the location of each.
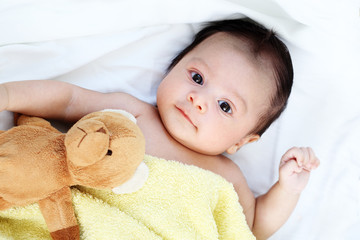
(235, 45)
(229, 40)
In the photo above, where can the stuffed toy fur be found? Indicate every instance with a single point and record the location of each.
(39, 164)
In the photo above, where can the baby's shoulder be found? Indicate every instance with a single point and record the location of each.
(232, 173)
(222, 166)
(228, 169)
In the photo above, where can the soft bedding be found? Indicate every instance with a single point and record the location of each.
(126, 46)
(177, 202)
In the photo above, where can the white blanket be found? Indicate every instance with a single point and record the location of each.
(126, 46)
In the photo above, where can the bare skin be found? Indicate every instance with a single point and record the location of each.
(204, 107)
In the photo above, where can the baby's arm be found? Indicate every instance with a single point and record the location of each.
(274, 208)
(60, 100)
(40, 98)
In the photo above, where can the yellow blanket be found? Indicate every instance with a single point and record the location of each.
(177, 202)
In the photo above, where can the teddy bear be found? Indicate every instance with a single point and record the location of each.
(38, 163)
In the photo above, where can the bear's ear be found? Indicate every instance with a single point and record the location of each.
(135, 182)
(87, 142)
(122, 112)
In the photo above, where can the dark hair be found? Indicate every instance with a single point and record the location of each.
(263, 45)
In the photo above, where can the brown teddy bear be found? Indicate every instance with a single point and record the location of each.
(39, 164)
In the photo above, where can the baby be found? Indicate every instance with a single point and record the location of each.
(221, 92)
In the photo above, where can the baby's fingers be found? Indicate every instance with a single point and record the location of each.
(304, 157)
(293, 153)
(309, 160)
(314, 162)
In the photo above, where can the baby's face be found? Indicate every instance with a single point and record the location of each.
(213, 97)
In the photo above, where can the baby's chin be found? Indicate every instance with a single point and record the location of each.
(205, 150)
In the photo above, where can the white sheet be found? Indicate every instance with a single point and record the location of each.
(126, 45)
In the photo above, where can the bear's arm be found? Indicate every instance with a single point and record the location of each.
(33, 121)
(59, 215)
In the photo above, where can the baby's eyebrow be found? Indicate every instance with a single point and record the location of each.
(202, 63)
(240, 99)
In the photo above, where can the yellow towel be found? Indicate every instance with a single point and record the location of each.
(177, 202)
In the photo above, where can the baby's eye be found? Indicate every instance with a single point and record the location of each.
(225, 107)
(197, 78)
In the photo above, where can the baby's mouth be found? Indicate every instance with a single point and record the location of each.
(186, 116)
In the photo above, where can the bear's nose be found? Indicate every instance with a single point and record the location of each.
(101, 130)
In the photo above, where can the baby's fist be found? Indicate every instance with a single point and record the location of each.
(295, 167)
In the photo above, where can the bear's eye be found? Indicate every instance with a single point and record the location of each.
(109, 152)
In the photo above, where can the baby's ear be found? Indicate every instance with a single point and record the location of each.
(248, 139)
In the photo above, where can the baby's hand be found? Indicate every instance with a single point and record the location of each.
(295, 167)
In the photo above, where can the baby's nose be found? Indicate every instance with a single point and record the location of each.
(198, 102)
